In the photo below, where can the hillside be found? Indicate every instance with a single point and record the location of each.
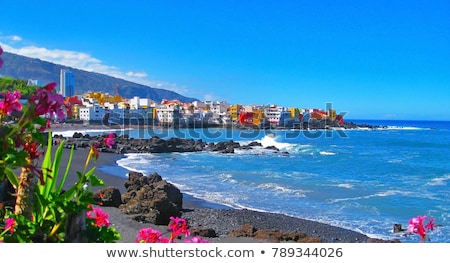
(21, 67)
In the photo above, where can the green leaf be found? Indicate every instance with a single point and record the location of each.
(69, 194)
(39, 207)
(39, 120)
(12, 177)
(95, 181)
(87, 176)
(69, 162)
(55, 168)
(46, 166)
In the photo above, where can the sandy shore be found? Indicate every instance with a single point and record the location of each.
(201, 213)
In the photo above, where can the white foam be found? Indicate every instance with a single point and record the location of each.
(380, 194)
(226, 177)
(278, 188)
(327, 153)
(439, 180)
(404, 128)
(69, 133)
(132, 160)
(411, 128)
(271, 140)
(348, 186)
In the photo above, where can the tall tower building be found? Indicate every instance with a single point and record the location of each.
(66, 83)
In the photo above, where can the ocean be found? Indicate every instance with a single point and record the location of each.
(365, 180)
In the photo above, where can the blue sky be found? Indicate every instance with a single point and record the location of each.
(372, 59)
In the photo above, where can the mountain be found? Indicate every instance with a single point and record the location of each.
(21, 67)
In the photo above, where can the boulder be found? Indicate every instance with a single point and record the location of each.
(203, 232)
(108, 196)
(150, 199)
(273, 235)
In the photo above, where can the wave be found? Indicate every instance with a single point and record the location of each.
(390, 128)
(348, 186)
(272, 140)
(380, 194)
(69, 133)
(439, 180)
(227, 177)
(134, 160)
(278, 188)
(404, 128)
(327, 153)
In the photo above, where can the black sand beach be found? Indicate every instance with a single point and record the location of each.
(200, 213)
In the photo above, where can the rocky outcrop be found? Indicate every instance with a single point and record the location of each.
(273, 235)
(108, 196)
(124, 144)
(223, 147)
(150, 199)
(203, 232)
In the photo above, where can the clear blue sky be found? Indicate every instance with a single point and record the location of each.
(372, 59)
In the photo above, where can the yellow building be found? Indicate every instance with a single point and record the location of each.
(75, 112)
(234, 111)
(332, 114)
(103, 98)
(295, 113)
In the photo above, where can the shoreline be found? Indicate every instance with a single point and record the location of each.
(201, 213)
(79, 126)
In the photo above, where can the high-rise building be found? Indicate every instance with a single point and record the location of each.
(66, 83)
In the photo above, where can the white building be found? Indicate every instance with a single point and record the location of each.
(34, 82)
(93, 113)
(139, 103)
(198, 104)
(279, 116)
(167, 115)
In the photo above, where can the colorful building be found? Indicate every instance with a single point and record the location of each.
(332, 114)
(318, 114)
(234, 111)
(295, 113)
(246, 118)
(279, 116)
(258, 116)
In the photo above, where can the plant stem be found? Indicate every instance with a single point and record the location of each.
(25, 192)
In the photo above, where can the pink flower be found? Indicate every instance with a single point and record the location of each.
(109, 140)
(46, 101)
(416, 226)
(178, 226)
(10, 223)
(150, 235)
(196, 239)
(165, 240)
(101, 218)
(10, 102)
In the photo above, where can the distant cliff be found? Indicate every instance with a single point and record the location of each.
(20, 67)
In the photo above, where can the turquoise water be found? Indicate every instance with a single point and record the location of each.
(364, 180)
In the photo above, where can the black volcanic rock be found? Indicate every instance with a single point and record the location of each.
(150, 199)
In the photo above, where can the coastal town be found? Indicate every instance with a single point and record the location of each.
(111, 109)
